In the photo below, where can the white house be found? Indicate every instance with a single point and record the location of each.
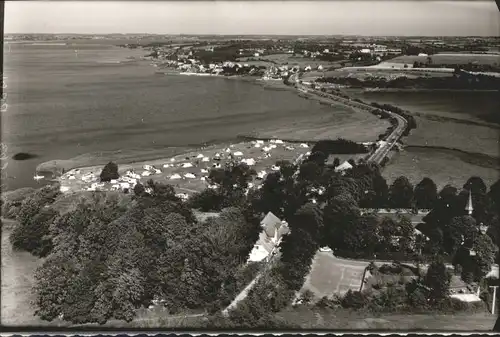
(273, 231)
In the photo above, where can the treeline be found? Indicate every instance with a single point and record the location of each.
(338, 146)
(220, 54)
(474, 67)
(457, 82)
(411, 122)
(435, 49)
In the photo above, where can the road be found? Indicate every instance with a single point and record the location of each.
(379, 154)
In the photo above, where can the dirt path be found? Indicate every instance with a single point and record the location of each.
(17, 279)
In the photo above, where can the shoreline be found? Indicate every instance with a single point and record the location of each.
(58, 167)
(62, 169)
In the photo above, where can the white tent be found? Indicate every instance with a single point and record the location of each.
(342, 167)
(146, 173)
(249, 161)
(238, 153)
(205, 159)
(200, 156)
(189, 175)
(304, 145)
(278, 141)
(166, 165)
(260, 142)
(186, 165)
(257, 145)
(63, 189)
(175, 176)
(261, 174)
(275, 168)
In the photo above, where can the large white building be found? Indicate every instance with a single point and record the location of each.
(273, 230)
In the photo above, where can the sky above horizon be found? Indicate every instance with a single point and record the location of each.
(425, 18)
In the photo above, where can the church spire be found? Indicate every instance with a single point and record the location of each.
(469, 207)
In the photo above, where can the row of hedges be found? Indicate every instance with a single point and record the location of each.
(338, 146)
(397, 301)
(396, 257)
(460, 82)
(411, 123)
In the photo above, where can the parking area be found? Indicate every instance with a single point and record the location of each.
(330, 275)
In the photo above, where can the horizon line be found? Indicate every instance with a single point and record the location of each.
(247, 34)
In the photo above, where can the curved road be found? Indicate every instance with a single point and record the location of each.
(378, 155)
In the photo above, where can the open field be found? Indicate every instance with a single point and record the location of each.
(461, 136)
(330, 275)
(442, 166)
(341, 319)
(17, 279)
(449, 59)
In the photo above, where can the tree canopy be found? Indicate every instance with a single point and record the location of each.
(109, 172)
(425, 194)
(401, 193)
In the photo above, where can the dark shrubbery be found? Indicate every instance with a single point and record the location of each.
(109, 172)
(34, 218)
(339, 146)
(354, 300)
(461, 80)
(206, 200)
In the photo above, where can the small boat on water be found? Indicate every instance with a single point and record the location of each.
(37, 177)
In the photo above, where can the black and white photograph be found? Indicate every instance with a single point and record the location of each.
(288, 166)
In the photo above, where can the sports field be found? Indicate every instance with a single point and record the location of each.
(330, 275)
(442, 166)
